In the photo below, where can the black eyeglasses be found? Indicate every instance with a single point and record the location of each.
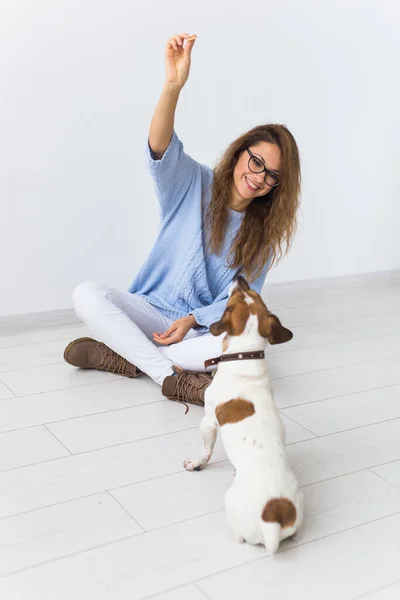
(257, 166)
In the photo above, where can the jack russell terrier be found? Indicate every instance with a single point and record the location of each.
(264, 504)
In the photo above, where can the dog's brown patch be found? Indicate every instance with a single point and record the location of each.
(280, 510)
(234, 411)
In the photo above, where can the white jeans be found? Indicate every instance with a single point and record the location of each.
(125, 322)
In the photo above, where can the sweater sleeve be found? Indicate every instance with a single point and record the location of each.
(207, 315)
(172, 174)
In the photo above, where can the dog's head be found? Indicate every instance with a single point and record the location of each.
(242, 304)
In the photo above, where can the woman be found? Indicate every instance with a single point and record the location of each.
(240, 216)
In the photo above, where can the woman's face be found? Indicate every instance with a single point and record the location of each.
(248, 185)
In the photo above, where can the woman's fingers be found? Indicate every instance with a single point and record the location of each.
(172, 339)
(172, 335)
(188, 48)
(181, 37)
(177, 41)
(168, 332)
(175, 333)
(157, 337)
(172, 43)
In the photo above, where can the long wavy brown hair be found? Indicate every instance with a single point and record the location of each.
(270, 222)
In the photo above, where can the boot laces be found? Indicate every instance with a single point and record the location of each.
(189, 388)
(114, 363)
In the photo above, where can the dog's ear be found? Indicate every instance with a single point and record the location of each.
(242, 283)
(224, 325)
(218, 327)
(277, 334)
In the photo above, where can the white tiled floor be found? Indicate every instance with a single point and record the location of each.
(94, 501)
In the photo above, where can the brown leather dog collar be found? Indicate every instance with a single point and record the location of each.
(237, 356)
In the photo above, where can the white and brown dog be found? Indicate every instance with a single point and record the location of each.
(264, 504)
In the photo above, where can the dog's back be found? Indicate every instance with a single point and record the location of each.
(264, 503)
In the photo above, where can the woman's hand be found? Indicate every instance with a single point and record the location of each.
(177, 59)
(176, 332)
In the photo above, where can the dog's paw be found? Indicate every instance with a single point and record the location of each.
(193, 464)
(238, 538)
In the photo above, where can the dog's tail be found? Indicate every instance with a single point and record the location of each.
(271, 533)
(278, 513)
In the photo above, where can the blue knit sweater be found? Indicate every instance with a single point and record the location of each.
(178, 277)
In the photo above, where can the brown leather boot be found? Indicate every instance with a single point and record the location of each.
(87, 353)
(186, 386)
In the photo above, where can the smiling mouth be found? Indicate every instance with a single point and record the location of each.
(252, 186)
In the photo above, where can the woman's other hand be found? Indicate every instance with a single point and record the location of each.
(176, 332)
(177, 59)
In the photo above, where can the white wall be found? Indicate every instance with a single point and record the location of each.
(79, 80)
